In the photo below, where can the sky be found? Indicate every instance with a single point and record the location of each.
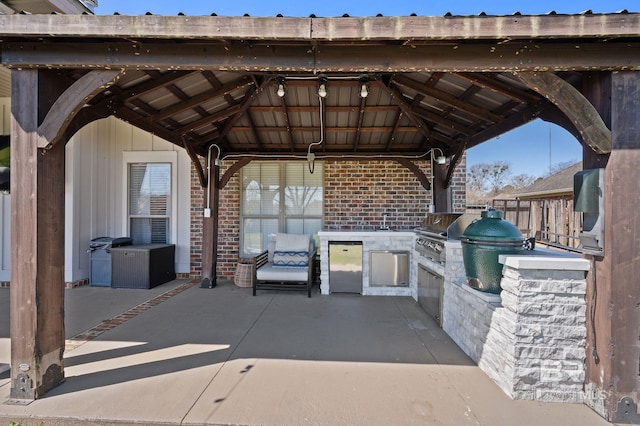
(532, 149)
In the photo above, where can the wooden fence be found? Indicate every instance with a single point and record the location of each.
(551, 221)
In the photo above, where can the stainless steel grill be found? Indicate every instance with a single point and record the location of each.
(436, 228)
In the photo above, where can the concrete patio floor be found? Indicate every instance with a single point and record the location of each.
(221, 356)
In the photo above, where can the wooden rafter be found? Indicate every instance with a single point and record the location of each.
(392, 136)
(155, 83)
(444, 122)
(447, 99)
(356, 142)
(337, 109)
(285, 116)
(198, 100)
(205, 121)
(246, 102)
(137, 120)
(398, 98)
(497, 86)
(516, 120)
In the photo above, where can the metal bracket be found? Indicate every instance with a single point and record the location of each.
(22, 388)
(627, 411)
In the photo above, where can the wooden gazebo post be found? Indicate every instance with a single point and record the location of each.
(210, 231)
(614, 294)
(44, 105)
(37, 241)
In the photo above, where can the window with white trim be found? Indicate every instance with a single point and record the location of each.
(278, 197)
(149, 200)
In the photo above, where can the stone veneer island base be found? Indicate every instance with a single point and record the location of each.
(530, 339)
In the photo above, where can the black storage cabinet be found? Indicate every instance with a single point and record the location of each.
(143, 266)
(100, 259)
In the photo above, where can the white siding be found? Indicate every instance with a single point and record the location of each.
(95, 201)
(93, 192)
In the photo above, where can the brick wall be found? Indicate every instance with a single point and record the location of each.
(357, 193)
(229, 223)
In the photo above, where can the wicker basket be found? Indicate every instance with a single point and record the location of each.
(242, 277)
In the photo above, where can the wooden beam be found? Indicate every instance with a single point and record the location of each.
(493, 84)
(210, 230)
(447, 99)
(574, 105)
(246, 102)
(398, 98)
(196, 161)
(232, 170)
(453, 163)
(481, 57)
(392, 136)
(74, 98)
(141, 122)
(617, 299)
(37, 238)
(206, 121)
(287, 123)
(413, 29)
(405, 129)
(87, 115)
(197, 100)
(419, 174)
(155, 83)
(328, 109)
(442, 121)
(363, 103)
(516, 120)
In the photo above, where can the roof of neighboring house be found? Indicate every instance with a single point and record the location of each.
(559, 183)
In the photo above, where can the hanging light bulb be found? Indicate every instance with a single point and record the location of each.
(281, 86)
(364, 86)
(322, 88)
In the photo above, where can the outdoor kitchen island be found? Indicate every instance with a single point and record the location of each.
(381, 244)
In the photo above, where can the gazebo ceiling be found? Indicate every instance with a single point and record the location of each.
(404, 113)
(216, 83)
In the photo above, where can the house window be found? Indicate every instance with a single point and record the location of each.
(149, 202)
(279, 197)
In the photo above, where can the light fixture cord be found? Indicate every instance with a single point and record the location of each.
(311, 160)
(209, 170)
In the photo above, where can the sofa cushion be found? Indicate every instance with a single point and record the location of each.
(291, 250)
(269, 272)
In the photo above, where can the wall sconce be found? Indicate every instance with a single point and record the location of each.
(364, 86)
(322, 86)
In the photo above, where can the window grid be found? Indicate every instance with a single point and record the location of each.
(278, 197)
